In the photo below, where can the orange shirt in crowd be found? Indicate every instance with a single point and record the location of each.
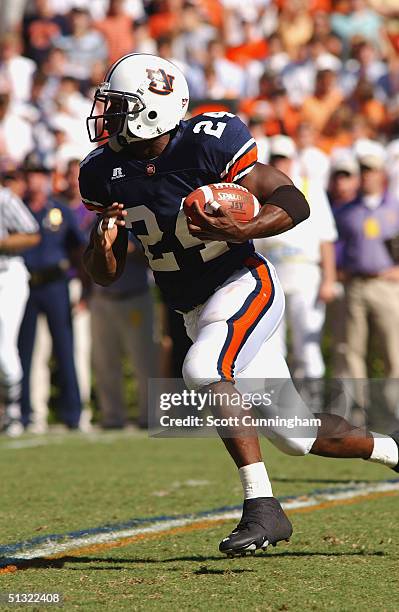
(375, 112)
(313, 6)
(280, 116)
(162, 24)
(254, 50)
(328, 143)
(118, 32)
(317, 111)
(320, 6)
(213, 10)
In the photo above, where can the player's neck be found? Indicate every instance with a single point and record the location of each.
(148, 149)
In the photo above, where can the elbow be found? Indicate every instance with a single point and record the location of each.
(97, 276)
(304, 211)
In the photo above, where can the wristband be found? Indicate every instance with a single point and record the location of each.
(290, 199)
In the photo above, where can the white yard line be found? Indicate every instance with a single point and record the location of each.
(303, 501)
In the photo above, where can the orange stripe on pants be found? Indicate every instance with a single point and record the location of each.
(248, 318)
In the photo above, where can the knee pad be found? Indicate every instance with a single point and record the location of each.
(198, 370)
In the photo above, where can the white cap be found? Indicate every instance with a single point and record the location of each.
(328, 61)
(343, 160)
(282, 146)
(370, 153)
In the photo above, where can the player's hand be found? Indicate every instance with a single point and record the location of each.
(111, 219)
(221, 226)
(327, 292)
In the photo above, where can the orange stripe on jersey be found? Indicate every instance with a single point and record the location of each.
(93, 207)
(243, 322)
(246, 160)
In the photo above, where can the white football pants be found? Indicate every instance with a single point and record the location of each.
(232, 341)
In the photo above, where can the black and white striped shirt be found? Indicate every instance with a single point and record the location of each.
(14, 218)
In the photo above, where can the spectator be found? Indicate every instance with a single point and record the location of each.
(70, 112)
(299, 76)
(273, 104)
(393, 167)
(16, 138)
(255, 125)
(230, 76)
(365, 64)
(40, 28)
(363, 102)
(372, 277)
(191, 42)
(122, 318)
(359, 21)
(314, 163)
(47, 263)
(343, 189)
(193, 74)
(305, 263)
(317, 109)
(338, 131)
(79, 290)
(388, 82)
(18, 232)
(117, 29)
(277, 58)
(15, 70)
(295, 25)
(344, 179)
(84, 46)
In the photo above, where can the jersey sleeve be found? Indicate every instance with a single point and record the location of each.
(16, 216)
(93, 189)
(234, 153)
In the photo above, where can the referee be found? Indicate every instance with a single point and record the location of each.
(18, 231)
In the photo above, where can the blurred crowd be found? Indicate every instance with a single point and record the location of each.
(317, 81)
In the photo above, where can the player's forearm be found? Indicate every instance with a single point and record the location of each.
(283, 204)
(16, 243)
(270, 221)
(105, 264)
(327, 262)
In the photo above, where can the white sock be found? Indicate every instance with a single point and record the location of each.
(385, 450)
(255, 481)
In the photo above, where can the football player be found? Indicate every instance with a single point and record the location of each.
(229, 295)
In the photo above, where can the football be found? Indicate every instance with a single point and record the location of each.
(237, 200)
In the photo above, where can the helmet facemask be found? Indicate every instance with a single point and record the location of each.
(116, 108)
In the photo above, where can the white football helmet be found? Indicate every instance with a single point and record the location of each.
(142, 97)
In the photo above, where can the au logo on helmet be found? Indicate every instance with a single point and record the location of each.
(161, 83)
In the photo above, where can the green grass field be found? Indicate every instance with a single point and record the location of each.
(342, 557)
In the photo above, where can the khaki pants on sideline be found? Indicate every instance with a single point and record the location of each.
(122, 328)
(372, 307)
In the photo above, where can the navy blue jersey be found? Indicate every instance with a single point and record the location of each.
(209, 148)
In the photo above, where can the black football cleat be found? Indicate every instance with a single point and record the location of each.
(263, 522)
(395, 437)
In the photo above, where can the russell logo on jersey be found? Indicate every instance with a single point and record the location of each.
(117, 174)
